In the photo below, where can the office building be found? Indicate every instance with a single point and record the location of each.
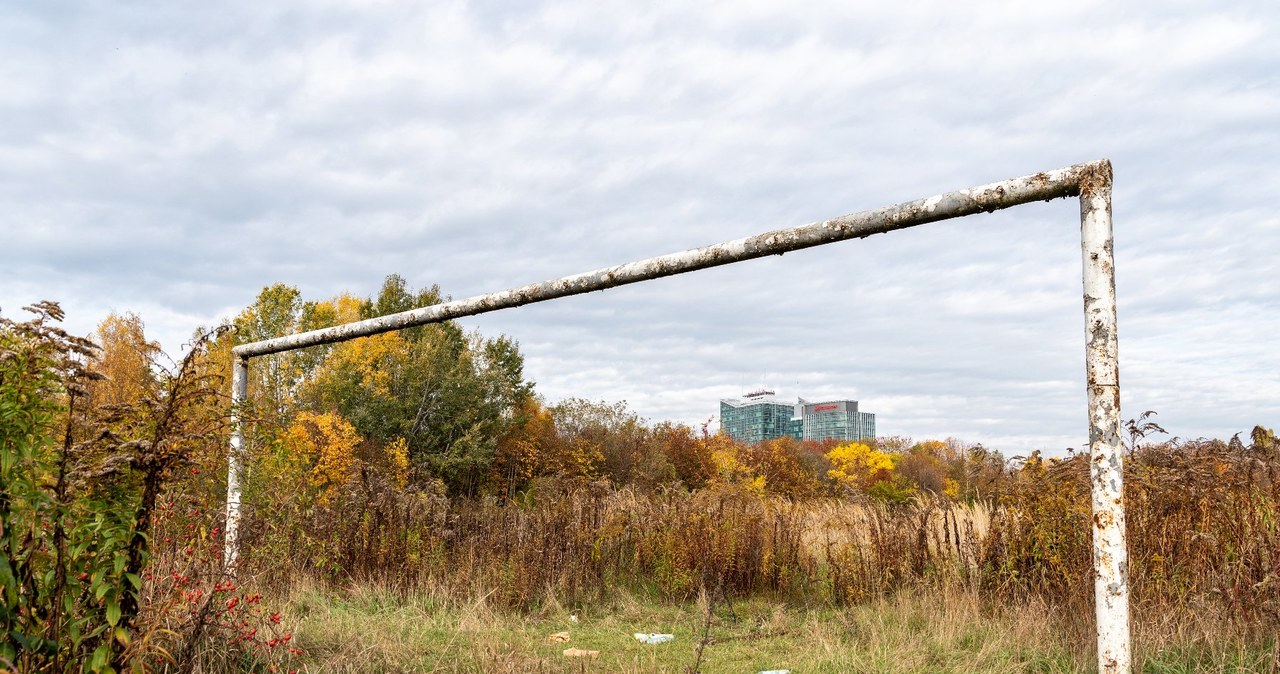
(755, 417)
(758, 416)
(836, 420)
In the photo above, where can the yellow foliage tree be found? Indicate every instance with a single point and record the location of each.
(125, 360)
(778, 461)
(859, 467)
(730, 464)
(374, 360)
(328, 444)
(344, 308)
(521, 452)
(578, 457)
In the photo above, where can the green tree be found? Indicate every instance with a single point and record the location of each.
(273, 379)
(449, 395)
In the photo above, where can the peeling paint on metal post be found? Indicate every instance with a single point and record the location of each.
(235, 464)
(1090, 181)
(1110, 555)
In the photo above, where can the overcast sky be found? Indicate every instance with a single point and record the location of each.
(173, 158)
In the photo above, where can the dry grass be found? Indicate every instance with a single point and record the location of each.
(374, 628)
(1203, 525)
(578, 539)
(369, 628)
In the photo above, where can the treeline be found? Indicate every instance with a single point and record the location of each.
(437, 404)
(435, 408)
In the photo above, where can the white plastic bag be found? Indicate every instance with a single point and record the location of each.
(653, 638)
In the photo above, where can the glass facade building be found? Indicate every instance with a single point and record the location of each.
(836, 420)
(757, 417)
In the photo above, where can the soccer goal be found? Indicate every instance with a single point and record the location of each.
(1091, 182)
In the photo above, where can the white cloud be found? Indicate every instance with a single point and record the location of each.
(173, 159)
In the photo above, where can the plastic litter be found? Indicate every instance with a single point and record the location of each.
(774, 671)
(580, 653)
(653, 638)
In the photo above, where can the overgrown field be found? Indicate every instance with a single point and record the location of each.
(371, 628)
(410, 505)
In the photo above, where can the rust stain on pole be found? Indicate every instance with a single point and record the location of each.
(1106, 469)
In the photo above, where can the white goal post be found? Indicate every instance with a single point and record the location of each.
(1091, 182)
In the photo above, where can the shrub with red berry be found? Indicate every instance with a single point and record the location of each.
(208, 616)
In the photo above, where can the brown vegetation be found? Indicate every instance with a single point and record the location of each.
(424, 463)
(1202, 529)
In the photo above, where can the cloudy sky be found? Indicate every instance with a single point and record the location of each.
(171, 159)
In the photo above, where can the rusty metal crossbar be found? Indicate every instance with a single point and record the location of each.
(1091, 182)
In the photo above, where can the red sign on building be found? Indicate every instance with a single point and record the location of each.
(819, 408)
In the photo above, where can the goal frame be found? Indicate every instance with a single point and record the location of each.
(1091, 182)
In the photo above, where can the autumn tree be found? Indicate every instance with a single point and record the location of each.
(124, 361)
(273, 379)
(447, 394)
(731, 466)
(316, 315)
(928, 464)
(610, 430)
(858, 467)
(444, 395)
(325, 453)
(688, 456)
(778, 462)
(521, 451)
